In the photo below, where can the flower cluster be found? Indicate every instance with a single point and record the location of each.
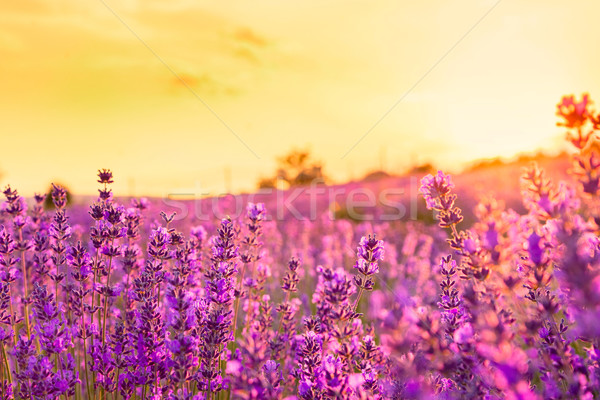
(125, 301)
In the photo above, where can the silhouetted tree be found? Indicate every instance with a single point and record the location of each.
(296, 168)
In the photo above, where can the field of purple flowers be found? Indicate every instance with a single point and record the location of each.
(128, 303)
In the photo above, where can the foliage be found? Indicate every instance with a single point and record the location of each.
(296, 168)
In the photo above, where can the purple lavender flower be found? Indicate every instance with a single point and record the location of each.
(436, 191)
(105, 176)
(370, 251)
(51, 332)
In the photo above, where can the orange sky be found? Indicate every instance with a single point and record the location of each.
(80, 91)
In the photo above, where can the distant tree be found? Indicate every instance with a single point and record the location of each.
(422, 169)
(267, 183)
(375, 176)
(296, 168)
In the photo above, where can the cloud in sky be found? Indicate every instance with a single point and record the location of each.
(247, 35)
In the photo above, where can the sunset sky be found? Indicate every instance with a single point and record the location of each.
(172, 94)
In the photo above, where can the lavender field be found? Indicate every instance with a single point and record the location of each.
(125, 300)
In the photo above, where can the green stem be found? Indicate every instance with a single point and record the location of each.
(87, 381)
(12, 318)
(117, 389)
(360, 292)
(106, 296)
(25, 291)
(209, 390)
(287, 299)
(59, 369)
(247, 322)
(238, 300)
(92, 315)
(5, 358)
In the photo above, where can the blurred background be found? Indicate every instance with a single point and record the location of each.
(202, 97)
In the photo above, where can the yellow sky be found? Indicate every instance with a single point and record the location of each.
(95, 84)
